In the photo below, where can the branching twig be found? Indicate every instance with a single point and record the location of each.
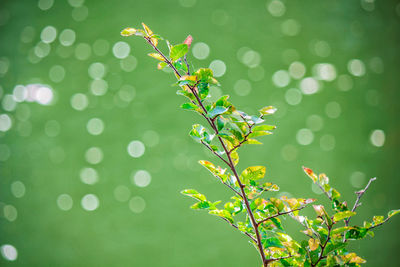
(321, 256)
(234, 226)
(359, 195)
(279, 214)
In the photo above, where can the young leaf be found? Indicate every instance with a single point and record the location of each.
(189, 106)
(393, 212)
(156, 56)
(264, 128)
(235, 157)
(252, 173)
(313, 244)
(194, 194)
(311, 174)
(178, 51)
(218, 110)
(128, 31)
(188, 40)
(343, 215)
(272, 242)
(147, 30)
(267, 110)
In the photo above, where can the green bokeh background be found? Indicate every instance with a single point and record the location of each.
(47, 157)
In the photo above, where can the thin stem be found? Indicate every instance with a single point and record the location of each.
(280, 258)
(215, 153)
(379, 224)
(359, 195)
(161, 54)
(234, 226)
(187, 65)
(321, 256)
(278, 214)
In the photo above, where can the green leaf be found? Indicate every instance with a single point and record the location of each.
(393, 212)
(201, 205)
(335, 194)
(156, 56)
(194, 194)
(259, 133)
(222, 101)
(264, 128)
(252, 173)
(235, 157)
(197, 132)
(218, 110)
(189, 106)
(343, 215)
(221, 123)
(222, 213)
(203, 90)
(340, 230)
(313, 244)
(205, 75)
(267, 110)
(253, 142)
(356, 233)
(178, 51)
(272, 242)
(331, 246)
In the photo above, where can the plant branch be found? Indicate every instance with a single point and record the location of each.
(148, 39)
(321, 256)
(278, 214)
(359, 195)
(234, 226)
(215, 153)
(230, 162)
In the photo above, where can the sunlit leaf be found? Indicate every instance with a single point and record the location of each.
(310, 174)
(194, 194)
(147, 30)
(189, 106)
(154, 41)
(272, 242)
(222, 213)
(378, 219)
(259, 133)
(128, 31)
(252, 173)
(178, 51)
(267, 110)
(343, 215)
(235, 157)
(156, 56)
(264, 128)
(253, 142)
(161, 65)
(393, 212)
(356, 233)
(313, 244)
(218, 110)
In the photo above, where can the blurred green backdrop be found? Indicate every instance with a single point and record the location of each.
(94, 150)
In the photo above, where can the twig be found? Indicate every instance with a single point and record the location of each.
(234, 226)
(359, 195)
(187, 65)
(279, 214)
(379, 224)
(215, 153)
(321, 256)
